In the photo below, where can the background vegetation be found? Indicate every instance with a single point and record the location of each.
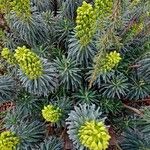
(71, 69)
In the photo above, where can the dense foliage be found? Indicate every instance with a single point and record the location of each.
(75, 68)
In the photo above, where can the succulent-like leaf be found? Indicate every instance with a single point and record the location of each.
(116, 86)
(81, 54)
(51, 143)
(69, 73)
(7, 88)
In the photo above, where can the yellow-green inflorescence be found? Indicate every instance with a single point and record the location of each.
(21, 7)
(29, 62)
(94, 135)
(8, 140)
(52, 113)
(8, 55)
(103, 8)
(85, 23)
(109, 62)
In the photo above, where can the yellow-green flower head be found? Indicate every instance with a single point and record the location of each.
(110, 61)
(94, 135)
(103, 8)
(8, 55)
(5, 6)
(8, 140)
(85, 23)
(21, 7)
(52, 113)
(29, 62)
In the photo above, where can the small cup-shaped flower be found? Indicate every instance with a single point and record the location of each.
(94, 135)
(29, 62)
(8, 140)
(52, 113)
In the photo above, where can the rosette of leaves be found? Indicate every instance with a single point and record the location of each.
(144, 66)
(7, 88)
(13, 117)
(99, 79)
(144, 121)
(51, 143)
(85, 95)
(63, 27)
(46, 83)
(136, 140)
(138, 89)
(57, 110)
(79, 121)
(116, 86)
(10, 40)
(43, 5)
(33, 30)
(30, 132)
(30, 104)
(69, 8)
(81, 54)
(69, 73)
(112, 106)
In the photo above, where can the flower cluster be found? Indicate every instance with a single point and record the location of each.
(103, 8)
(8, 140)
(52, 113)
(21, 7)
(109, 62)
(94, 135)
(29, 62)
(5, 6)
(8, 55)
(86, 21)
